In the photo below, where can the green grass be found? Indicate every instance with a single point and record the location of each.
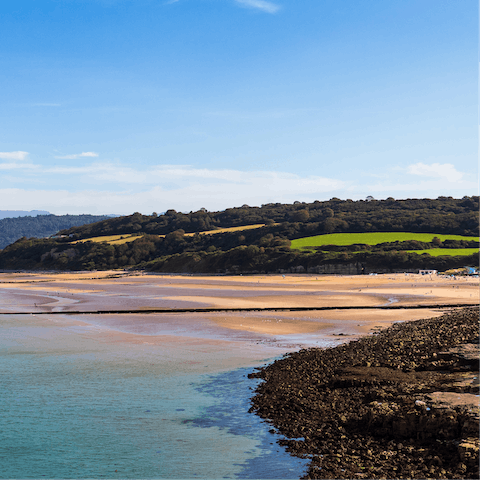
(437, 252)
(371, 238)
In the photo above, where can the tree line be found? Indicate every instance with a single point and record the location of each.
(11, 229)
(441, 215)
(177, 253)
(265, 249)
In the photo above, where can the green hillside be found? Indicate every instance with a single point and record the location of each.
(258, 239)
(444, 215)
(371, 238)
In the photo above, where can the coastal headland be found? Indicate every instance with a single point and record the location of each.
(283, 314)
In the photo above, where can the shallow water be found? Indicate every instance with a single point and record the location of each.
(73, 407)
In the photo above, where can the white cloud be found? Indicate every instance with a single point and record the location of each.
(108, 187)
(439, 170)
(187, 175)
(419, 180)
(17, 166)
(165, 186)
(77, 155)
(14, 155)
(263, 5)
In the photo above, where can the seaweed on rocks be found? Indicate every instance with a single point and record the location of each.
(373, 408)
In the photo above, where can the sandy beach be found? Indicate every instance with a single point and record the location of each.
(77, 374)
(113, 290)
(94, 291)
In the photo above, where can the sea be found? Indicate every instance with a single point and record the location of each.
(75, 407)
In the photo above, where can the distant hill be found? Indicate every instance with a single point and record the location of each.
(184, 242)
(22, 213)
(39, 226)
(441, 215)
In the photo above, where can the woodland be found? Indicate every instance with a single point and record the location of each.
(11, 229)
(163, 246)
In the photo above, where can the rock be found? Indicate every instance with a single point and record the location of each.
(468, 450)
(393, 405)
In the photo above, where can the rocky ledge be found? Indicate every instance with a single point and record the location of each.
(402, 403)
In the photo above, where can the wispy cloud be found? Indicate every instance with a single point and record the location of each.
(14, 155)
(112, 187)
(77, 155)
(161, 187)
(15, 161)
(254, 188)
(187, 175)
(18, 166)
(420, 180)
(263, 5)
(436, 170)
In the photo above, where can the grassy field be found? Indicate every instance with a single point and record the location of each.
(437, 252)
(228, 229)
(371, 238)
(111, 239)
(126, 237)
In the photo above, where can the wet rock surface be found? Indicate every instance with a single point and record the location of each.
(402, 403)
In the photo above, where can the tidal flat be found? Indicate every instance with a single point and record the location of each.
(166, 395)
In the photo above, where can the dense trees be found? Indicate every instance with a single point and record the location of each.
(261, 249)
(11, 229)
(194, 254)
(442, 215)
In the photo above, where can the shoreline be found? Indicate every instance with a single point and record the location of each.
(399, 404)
(286, 311)
(255, 332)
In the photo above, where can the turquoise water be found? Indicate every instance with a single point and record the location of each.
(112, 414)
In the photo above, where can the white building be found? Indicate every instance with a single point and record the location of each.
(427, 272)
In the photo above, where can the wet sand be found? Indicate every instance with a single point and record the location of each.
(172, 345)
(94, 291)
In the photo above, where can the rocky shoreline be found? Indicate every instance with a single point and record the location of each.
(402, 403)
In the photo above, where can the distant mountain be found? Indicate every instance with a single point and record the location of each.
(22, 213)
(40, 225)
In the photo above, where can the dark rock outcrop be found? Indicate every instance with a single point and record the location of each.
(399, 404)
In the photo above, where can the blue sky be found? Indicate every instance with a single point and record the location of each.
(117, 106)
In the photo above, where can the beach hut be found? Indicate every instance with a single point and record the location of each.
(427, 272)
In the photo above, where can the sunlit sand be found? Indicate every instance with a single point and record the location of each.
(283, 330)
